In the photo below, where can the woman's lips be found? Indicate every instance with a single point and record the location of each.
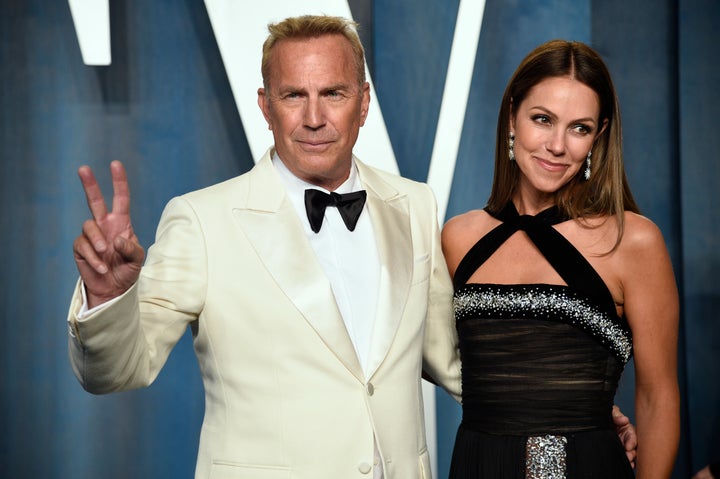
(551, 165)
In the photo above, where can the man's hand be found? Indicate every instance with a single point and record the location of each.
(107, 253)
(704, 473)
(626, 431)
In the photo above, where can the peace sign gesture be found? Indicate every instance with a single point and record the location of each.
(107, 253)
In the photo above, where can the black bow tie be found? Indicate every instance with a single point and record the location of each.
(349, 206)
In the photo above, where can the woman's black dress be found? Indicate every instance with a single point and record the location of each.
(540, 366)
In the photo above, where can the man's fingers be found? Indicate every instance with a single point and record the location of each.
(129, 249)
(95, 200)
(85, 252)
(94, 235)
(94, 196)
(618, 415)
(121, 190)
(703, 473)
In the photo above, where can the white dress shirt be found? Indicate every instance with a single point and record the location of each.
(350, 260)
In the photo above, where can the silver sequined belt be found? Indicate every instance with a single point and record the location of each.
(546, 457)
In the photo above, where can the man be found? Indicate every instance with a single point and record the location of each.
(311, 327)
(310, 342)
(710, 471)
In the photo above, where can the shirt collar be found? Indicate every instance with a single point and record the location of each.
(296, 186)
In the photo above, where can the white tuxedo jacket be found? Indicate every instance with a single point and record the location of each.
(285, 395)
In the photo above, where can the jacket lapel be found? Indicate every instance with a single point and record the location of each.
(389, 212)
(272, 226)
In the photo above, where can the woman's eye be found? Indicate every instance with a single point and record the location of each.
(583, 129)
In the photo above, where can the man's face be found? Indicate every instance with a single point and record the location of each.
(315, 107)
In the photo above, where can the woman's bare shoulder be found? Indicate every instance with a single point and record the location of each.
(461, 232)
(467, 217)
(468, 224)
(641, 233)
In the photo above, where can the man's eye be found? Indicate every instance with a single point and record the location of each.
(289, 95)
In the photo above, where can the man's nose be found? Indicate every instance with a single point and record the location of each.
(314, 117)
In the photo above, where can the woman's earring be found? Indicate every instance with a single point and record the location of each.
(588, 162)
(511, 145)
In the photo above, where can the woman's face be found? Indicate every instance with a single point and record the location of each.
(554, 128)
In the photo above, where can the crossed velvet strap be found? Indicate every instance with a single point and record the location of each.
(572, 267)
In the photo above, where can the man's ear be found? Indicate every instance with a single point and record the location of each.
(365, 102)
(264, 104)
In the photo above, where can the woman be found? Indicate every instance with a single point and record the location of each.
(558, 283)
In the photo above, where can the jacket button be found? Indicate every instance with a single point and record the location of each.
(365, 468)
(370, 389)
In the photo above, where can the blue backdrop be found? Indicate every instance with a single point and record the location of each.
(165, 108)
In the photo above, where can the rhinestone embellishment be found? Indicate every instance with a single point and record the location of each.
(546, 457)
(543, 302)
